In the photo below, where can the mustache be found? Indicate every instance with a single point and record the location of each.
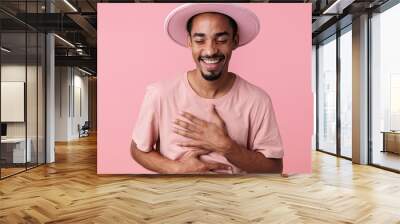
(215, 56)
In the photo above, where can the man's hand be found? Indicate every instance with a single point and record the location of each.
(190, 163)
(187, 163)
(211, 136)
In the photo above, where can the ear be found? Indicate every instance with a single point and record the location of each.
(236, 41)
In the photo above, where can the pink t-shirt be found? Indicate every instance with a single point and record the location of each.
(246, 109)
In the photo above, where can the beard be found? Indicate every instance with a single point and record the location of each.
(212, 76)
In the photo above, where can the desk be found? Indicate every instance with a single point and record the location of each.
(13, 150)
(391, 141)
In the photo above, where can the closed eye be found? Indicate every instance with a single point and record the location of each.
(199, 41)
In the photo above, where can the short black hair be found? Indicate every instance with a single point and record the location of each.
(232, 23)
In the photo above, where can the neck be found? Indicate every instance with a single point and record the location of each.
(210, 89)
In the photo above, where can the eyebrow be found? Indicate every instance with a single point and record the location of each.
(222, 34)
(217, 34)
(199, 35)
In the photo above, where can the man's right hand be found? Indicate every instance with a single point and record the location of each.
(191, 163)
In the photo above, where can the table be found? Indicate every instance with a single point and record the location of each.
(13, 150)
(391, 141)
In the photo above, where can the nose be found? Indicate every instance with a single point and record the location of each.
(210, 48)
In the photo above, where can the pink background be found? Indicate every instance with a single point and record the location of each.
(133, 51)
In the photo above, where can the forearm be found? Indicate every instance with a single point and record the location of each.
(153, 161)
(252, 161)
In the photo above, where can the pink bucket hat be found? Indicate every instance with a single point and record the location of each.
(247, 21)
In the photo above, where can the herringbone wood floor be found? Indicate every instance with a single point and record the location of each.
(69, 191)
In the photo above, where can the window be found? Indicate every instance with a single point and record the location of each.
(385, 88)
(327, 95)
(346, 93)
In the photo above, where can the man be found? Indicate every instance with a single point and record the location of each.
(210, 120)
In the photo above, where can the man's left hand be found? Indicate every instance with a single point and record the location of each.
(212, 136)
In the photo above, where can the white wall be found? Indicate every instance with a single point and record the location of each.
(81, 103)
(17, 73)
(71, 93)
(62, 81)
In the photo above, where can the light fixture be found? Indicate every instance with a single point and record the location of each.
(84, 71)
(80, 51)
(64, 40)
(5, 50)
(70, 5)
(337, 7)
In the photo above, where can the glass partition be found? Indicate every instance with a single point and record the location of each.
(13, 104)
(22, 77)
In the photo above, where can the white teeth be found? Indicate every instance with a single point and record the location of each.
(211, 61)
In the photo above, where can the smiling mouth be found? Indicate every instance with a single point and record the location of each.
(211, 60)
(212, 63)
